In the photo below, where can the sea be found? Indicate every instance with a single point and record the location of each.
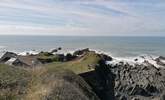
(113, 45)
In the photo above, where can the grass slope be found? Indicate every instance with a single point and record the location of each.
(78, 66)
(55, 81)
(13, 82)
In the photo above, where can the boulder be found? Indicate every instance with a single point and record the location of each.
(105, 57)
(60, 48)
(54, 51)
(161, 57)
(136, 59)
(160, 61)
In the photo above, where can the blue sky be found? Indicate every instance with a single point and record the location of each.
(83, 17)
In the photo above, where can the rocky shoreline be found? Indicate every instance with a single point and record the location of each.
(139, 82)
(111, 79)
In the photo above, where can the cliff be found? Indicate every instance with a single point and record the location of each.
(85, 76)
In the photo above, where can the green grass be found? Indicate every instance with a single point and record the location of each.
(46, 56)
(18, 83)
(78, 66)
(13, 82)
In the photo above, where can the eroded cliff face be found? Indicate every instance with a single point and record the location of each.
(143, 82)
(126, 82)
(102, 80)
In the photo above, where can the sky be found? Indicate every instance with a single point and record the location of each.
(83, 17)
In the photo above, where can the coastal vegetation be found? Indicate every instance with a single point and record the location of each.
(51, 81)
(83, 75)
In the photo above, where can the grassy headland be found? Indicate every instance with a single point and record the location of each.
(53, 81)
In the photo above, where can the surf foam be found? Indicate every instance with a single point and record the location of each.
(141, 60)
(32, 52)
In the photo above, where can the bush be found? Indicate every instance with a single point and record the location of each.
(45, 54)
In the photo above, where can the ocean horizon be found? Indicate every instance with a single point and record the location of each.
(117, 46)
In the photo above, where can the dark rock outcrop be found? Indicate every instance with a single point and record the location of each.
(59, 48)
(160, 60)
(161, 57)
(105, 57)
(54, 51)
(124, 81)
(140, 81)
(102, 80)
(70, 57)
(81, 52)
(7, 56)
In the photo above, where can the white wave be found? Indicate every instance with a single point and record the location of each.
(141, 60)
(163, 61)
(32, 52)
